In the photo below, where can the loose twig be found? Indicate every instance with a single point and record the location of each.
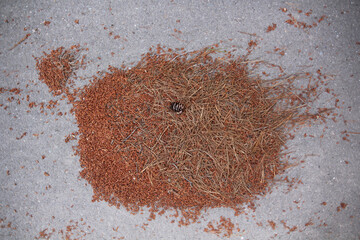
(18, 43)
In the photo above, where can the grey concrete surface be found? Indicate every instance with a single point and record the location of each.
(60, 203)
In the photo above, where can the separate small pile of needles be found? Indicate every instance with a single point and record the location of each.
(186, 129)
(56, 68)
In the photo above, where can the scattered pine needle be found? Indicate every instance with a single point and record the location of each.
(22, 40)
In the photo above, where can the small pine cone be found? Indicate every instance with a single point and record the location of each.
(177, 107)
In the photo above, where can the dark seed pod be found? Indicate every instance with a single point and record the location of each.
(177, 107)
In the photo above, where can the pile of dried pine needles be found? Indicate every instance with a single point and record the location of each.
(222, 150)
(57, 67)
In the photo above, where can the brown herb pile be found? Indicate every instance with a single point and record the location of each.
(222, 150)
(57, 67)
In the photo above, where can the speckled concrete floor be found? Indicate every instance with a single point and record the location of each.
(324, 205)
